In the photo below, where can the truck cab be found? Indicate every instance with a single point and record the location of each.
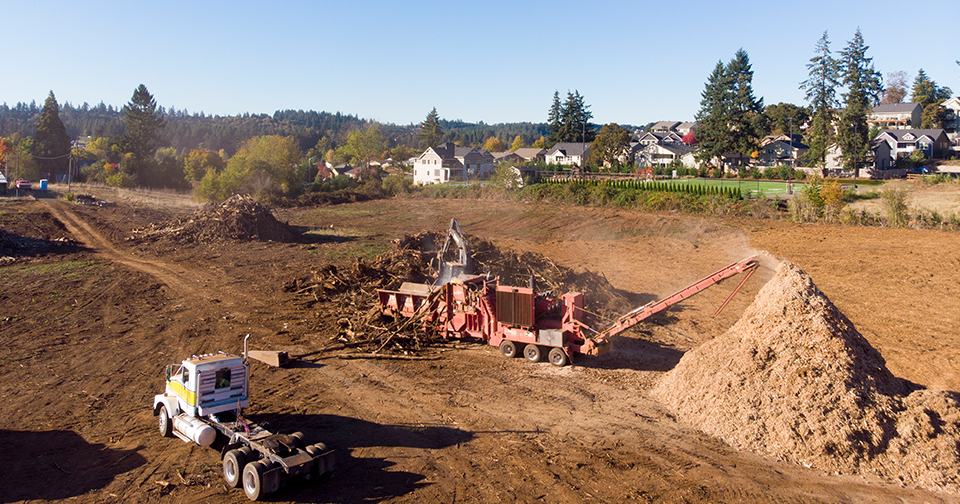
(208, 384)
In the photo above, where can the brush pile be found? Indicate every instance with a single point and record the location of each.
(794, 379)
(346, 299)
(239, 218)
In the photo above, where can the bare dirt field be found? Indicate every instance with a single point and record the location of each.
(87, 326)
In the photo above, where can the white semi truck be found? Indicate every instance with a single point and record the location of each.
(203, 399)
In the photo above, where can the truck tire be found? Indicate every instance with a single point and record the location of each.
(234, 462)
(297, 438)
(557, 357)
(508, 349)
(531, 352)
(253, 480)
(163, 421)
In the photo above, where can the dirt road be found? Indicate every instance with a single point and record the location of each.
(86, 335)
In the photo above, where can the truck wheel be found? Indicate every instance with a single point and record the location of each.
(297, 439)
(557, 357)
(532, 353)
(508, 349)
(234, 463)
(166, 427)
(253, 480)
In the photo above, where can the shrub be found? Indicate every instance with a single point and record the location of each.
(894, 202)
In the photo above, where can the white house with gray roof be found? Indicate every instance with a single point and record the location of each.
(568, 153)
(450, 162)
(896, 115)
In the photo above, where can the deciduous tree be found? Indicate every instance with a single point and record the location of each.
(611, 144)
(896, 91)
(493, 144)
(517, 144)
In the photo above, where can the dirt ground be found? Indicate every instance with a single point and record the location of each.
(88, 326)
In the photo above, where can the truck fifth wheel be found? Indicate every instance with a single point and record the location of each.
(203, 399)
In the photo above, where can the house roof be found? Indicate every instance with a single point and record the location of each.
(901, 134)
(688, 126)
(570, 148)
(665, 125)
(895, 108)
(530, 152)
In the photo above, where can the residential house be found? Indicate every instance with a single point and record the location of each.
(506, 157)
(659, 138)
(568, 153)
(951, 121)
(664, 154)
(896, 115)
(686, 127)
(877, 165)
(782, 151)
(933, 142)
(451, 162)
(665, 127)
(531, 153)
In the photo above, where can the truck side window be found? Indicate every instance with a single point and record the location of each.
(223, 378)
(186, 376)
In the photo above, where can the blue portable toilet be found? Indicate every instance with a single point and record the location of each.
(43, 184)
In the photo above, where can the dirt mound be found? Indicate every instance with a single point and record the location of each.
(794, 379)
(239, 218)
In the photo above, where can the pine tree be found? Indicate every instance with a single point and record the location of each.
(51, 146)
(745, 109)
(926, 91)
(430, 132)
(143, 125)
(713, 116)
(864, 88)
(553, 118)
(820, 88)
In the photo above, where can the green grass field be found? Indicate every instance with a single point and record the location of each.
(750, 188)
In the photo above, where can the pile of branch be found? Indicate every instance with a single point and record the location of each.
(240, 218)
(346, 299)
(13, 245)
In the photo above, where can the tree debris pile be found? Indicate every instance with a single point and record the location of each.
(239, 218)
(346, 300)
(795, 380)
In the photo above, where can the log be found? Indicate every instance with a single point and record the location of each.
(388, 356)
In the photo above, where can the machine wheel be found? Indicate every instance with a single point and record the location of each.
(558, 357)
(297, 439)
(234, 462)
(166, 426)
(508, 349)
(253, 480)
(531, 352)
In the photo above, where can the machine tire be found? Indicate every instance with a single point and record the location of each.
(297, 439)
(234, 462)
(558, 357)
(253, 480)
(164, 422)
(508, 349)
(531, 352)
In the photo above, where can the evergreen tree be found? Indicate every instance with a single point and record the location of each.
(745, 109)
(143, 125)
(926, 91)
(51, 146)
(554, 117)
(430, 132)
(713, 116)
(820, 93)
(864, 88)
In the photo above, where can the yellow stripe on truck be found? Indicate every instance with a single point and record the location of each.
(180, 390)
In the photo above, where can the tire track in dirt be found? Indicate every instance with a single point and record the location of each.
(186, 283)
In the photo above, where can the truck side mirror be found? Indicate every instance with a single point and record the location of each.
(168, 373)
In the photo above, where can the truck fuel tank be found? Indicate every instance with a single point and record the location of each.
(194, 429)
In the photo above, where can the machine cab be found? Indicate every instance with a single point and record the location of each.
(208, 384)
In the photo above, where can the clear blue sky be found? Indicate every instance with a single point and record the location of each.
(633, 61)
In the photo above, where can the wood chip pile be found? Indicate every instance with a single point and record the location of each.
(794, 379)
(239, 218)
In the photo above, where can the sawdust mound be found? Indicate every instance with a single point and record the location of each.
(239, 218)
(793, 379)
